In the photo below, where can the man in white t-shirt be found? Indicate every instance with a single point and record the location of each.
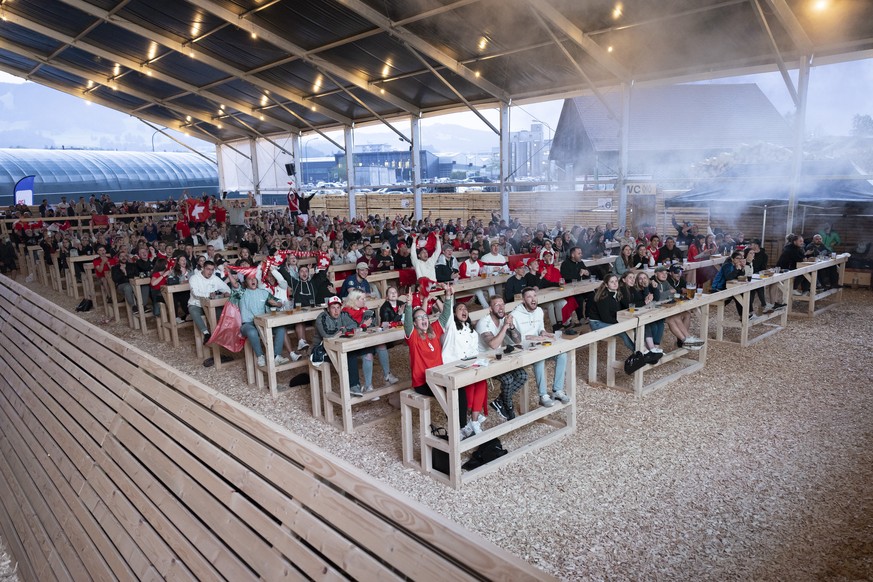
(528, 318)
(470, 269)
(495, 331)
(493, 262)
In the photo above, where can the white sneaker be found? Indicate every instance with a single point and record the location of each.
(657, 350)
(467, 431)
(768, 308)
(367, 388)
(796, 293)
(546, 401)
(281, 360)
(753, 318)
(561, 395)
(302, 345)
(261, 361)
(294, 356)
(392, 379)
(476, 425)
(179, 321)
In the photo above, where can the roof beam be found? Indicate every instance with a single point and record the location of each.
(425, 48)
(573, 32)
(134, 65)
(786, 78)
(191, 49)
(181, 111)
(576, 65)
(792, 26)
(93, 98)
(317, 62)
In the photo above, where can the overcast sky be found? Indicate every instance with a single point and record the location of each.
(836, 93)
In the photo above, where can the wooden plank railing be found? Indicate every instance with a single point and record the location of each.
(114, 465)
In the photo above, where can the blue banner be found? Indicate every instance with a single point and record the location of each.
(23, 191)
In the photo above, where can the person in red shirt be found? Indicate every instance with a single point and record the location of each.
(425, 348)
(182, 227)
(102, 266)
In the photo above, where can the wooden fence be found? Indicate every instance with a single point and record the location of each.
(115, 466)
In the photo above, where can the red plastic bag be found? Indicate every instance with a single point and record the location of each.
(566, 312)
(227, 333)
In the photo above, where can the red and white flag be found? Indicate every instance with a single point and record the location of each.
(197, 210)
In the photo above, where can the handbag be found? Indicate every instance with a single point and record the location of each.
(226, 333)
(634, 362)
(439, 459)
(486, 453)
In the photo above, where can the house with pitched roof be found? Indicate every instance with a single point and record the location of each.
(671, 129)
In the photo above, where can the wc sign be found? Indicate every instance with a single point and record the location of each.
(641, 188)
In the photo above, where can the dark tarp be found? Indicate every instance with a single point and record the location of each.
(822, 183)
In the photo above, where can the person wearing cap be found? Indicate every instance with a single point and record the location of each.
(332, 322)
(358, 280)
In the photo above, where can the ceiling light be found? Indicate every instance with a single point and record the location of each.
(264, 100)
(262, 117)
(617, 11)
(609, 49)
(90, 83)
(483, 42)
(313, 107)
(191, 54)
(382, 91)
(221, 106)
(478, 74)
(254, 34)
(218, 125)
(188, 118)
(820, 5)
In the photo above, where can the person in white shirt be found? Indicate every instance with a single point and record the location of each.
(496, 330)
(528, 318)
(460, 341)
(354, 254)
(204, 285)
(216, 241)
(423, 263)
(494, 263)
(472, 268)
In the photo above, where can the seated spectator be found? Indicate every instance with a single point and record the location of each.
(670, 253)
(358, 281)
(391, 312)
(608, 301)
(497, 330)
(679, 324)
(528, 317)
(205, 285)
(355, 305)
(425, 349)
(729, 271)
(624, 261)
(460, 341)
(253, 301)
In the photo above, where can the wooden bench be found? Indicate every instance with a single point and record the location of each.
(411, 400)
(115, 466)
(816, 296)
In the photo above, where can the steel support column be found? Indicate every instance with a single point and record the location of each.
(219, 157)
(623, 156)
(295, 151)
(799, 131)
(504, 161)
(415, 165)
(256, 172)
(349, 138)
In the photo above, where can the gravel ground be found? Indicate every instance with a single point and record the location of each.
(760, 466)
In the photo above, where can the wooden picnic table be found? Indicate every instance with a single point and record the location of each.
(838, 261)
(87, 281)
(446, 380)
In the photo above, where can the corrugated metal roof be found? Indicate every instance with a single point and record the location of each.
(487, 49)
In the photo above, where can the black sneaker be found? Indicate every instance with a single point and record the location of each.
(778, 305)
(570, 331)
(500, 408)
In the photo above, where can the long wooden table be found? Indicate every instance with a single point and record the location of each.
(839, 262)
